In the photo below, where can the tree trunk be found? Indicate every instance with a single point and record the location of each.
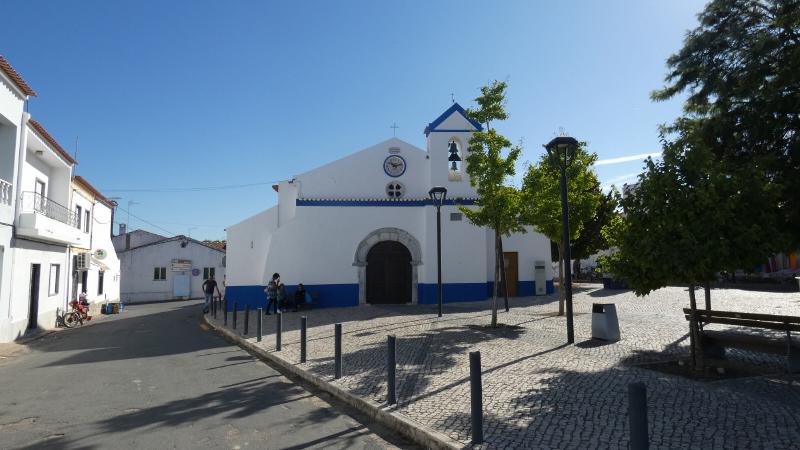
(503, 273)
(561, 290)
(707, 288)
(694, 330)
(496, 279)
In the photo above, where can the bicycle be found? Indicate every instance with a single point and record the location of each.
(78, 314)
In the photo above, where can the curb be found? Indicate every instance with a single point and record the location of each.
(394, 421)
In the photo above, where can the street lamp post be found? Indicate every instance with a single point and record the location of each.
(563, 149)
(438, 195)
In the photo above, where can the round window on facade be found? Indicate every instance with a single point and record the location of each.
(395, 189)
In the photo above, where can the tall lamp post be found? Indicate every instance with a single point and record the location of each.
(438, 195)
(562, 149)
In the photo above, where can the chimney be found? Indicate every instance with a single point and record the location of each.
(122, 228)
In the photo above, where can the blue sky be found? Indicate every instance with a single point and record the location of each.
(195, 94)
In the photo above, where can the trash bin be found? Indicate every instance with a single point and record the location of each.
(605, 324)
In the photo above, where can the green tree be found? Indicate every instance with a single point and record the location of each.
(591, 240)
(687, 219)
(541, 200)
(741, 70)
(489, 170)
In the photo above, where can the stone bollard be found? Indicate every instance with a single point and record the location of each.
(303, 335)
(278, 331)
(337, 350)
(476, 397)
(637, 415)
(391, 366)
(246, 319)
(259, 326)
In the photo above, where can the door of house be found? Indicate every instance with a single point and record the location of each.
(33, 307)
(181, 285)
(388, 273)
(510, 259)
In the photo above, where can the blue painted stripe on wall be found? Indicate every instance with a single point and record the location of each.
(391, 203)
(341, 295)
(330, 295)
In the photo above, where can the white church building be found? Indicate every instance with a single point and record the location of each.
(362, 230)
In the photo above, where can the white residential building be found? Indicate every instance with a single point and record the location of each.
(95, 265)
(363, 230)
(158, 268)
(14, 93)
(40, 229)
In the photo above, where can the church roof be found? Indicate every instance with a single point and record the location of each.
(456, 108)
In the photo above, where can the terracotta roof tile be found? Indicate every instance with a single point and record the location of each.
(6, 67)
(46, 136)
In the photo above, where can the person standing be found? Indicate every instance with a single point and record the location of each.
(208, 288)
(272, 292)
(281, 297)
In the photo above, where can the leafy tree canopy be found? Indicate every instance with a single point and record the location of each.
(541, 194)
(741, 71)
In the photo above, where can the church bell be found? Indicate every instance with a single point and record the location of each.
(453, 156)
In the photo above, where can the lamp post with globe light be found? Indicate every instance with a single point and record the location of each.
(562, 150)
(438, 195)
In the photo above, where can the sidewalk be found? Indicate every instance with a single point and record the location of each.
(540, 392)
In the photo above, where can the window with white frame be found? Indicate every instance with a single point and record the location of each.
(208, 272)
(159, 273)
(79, 214)
(87, 218)
(55, 278)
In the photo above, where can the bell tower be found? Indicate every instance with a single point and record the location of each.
(448, 148)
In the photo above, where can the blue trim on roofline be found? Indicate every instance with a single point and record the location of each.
(455, 108)
(394, 203)
(450, 131)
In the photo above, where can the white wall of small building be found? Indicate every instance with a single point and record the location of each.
(137, 266)
(27, 253)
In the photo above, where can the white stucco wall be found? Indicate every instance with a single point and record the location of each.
(137, 267)
(361, 174)
(249, 241)
(27, 253)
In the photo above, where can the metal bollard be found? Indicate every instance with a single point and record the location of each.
(259, 326)
(278, 331)
(476, 397)
(235, 307)
(214, 307)
(337, 352)
(246, 319)
(225, 313)
(637, 415)
(303, 327)
(391, 365)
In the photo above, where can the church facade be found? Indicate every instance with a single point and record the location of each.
(362, 230)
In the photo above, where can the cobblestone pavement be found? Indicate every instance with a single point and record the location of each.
(540, 392)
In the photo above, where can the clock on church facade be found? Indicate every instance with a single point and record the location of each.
(394, 166)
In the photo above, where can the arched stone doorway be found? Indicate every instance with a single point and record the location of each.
(388, 273)
(386, 235)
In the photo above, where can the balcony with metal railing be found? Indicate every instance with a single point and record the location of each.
(42, 218)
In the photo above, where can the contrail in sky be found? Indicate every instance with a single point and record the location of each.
(622, 159)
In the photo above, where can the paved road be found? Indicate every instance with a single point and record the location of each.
(153, 377)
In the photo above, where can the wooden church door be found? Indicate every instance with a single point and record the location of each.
(388, 273)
